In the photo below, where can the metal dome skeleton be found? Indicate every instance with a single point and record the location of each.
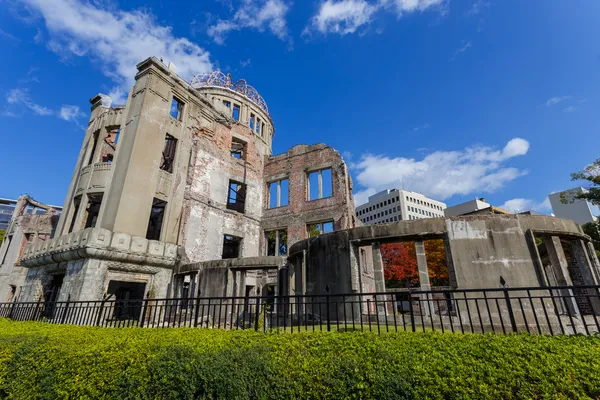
(219, 79)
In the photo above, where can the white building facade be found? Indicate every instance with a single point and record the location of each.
(393, 205)
(566, 205)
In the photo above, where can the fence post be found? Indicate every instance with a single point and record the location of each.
(256, 314)
(412, 312)
(511, 315)
(101, 311)
(144, 307)
(327, 313)
(12, 308)
(64, 316)
(38, 313)
(197, 310)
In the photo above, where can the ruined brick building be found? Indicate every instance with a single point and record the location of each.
(177, 193)
(30, 220)
(182, 175)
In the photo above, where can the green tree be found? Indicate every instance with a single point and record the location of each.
(591, 173)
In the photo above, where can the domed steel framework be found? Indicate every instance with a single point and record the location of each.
(219, 79)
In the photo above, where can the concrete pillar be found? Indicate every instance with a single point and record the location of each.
(537, 260)
(378, 275)
(594, 260)
(583, 262)
(586, 269)
(561, 271)
(423, 275)
(378, 267)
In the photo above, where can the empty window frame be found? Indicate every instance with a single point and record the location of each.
(168, 154)
(258, 125)
(8, 239)
(278, 193)
(262, 129)
(176, 110)
(231, 247)
(236, 197)
(252, 121)
(276, 242)
(320, 227)
(227, 104)
(236, 112)
(93, 210)
(76, 203)
(114, 136)
(94, 138)
(320, 184)
(155, 222)
(238, 148)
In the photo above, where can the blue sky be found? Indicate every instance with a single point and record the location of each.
(454, 99)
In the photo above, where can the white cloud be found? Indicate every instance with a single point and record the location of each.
(466, 45)
(555, 100)
(441, 174)
(407, 6)
(245, 63)
(521, 204)
(347, 16)
(569, 109)
(515, 147)
(342, 17)
(478, 7)
(117, 40)
(21, 97)
(70, 113)
(254, 14)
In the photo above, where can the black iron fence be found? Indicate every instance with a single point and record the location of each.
(549, 310)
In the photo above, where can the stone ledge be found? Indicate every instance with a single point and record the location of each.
(102, 244)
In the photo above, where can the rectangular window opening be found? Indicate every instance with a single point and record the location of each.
(176, 108)
(279, 193)
(94, 145)
(76, 203)
(155, 222)
(168, 154)
(231, 247)
(93, 210)
(276, 242)
(320, 184)
(238, 148)
(236, 198)
(252, 119)
(236, 112)
(319, 228)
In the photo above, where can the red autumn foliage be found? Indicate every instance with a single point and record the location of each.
(400, 263)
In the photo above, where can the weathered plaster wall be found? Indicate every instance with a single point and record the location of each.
(206, 217)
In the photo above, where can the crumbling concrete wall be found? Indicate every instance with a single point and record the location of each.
(480, 249)
(206, 216)
(295, 165)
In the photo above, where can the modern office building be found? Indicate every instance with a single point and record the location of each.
(393, 205)
(7, 207)
(474, 207)
(565, 204)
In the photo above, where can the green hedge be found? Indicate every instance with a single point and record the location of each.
(40, 361)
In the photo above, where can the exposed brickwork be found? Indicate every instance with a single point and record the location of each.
(294, 165)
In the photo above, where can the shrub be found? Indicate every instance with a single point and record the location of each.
(39, 361)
